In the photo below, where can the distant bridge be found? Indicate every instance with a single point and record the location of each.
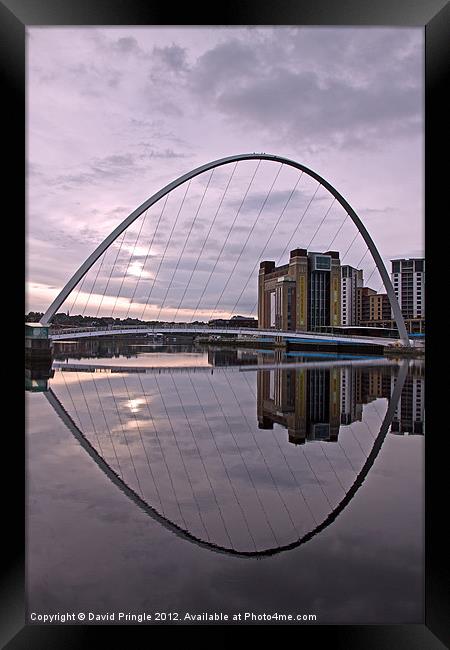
(306, 337)
(291, 365)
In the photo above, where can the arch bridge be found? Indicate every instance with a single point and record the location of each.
(99, 253)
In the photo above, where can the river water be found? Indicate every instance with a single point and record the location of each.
(175, 480)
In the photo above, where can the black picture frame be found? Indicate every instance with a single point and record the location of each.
(434, 16)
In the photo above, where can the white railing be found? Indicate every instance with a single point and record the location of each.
(207, 329)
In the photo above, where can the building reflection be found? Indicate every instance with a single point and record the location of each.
(409, 414)
(112, 349)
(312, 403)
(304, 401)
(220, 357)
(37, 376)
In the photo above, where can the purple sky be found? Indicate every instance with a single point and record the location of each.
(114, 114)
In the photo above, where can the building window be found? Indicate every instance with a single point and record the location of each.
(272, 309)
(322, 263)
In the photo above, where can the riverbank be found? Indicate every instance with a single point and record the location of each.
(316, 346)
(403, 351)
(332, 347)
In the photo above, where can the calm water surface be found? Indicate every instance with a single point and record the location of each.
(176, 479)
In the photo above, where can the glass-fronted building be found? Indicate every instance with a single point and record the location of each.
(302, 295)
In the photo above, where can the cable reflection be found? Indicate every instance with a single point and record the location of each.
(207, 455)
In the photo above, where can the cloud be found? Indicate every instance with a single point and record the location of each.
(295, 98)
(227, 64)
(114, 167)
(173, 57)
(116, 114)
(126, 44)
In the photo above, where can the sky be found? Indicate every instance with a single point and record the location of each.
(114, 114)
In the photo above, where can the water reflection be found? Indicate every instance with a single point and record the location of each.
(204, 449)
(313, 403)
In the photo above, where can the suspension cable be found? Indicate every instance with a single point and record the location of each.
(292, 236)
(244, 463)
(110, 274)
(129, 261)
(357, 265)
(226, 239)
(162, 453)
(337, 233)
(285, 457)
(78, 293)
(320, 224)
(181, 457)
(144, 448)
(95, 282)
(90, 414)
(107, 426)
(201, 459)
(124, 436)
(250, 429)
(206, 239)
(247, 239)
(151, 244)
(213, 438)
(263, 250)
(299, 224)
(351, 244)
(315, 475)
(169, 286)
(373, 271)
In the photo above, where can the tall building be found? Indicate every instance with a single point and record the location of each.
(301, 295)
(408, 278)
(351, 280)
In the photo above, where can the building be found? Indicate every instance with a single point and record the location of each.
(363, 304)
(38, 345)
(379, 307)
(408, 279)
(301, 295)
(234, 321)
(351, 280)
(230, 357)
(409, 414)
(373, 309)
(304, 401)
(376, 310)
(379, 385)
(351, 410)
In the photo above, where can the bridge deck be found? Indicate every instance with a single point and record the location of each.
(297, 336)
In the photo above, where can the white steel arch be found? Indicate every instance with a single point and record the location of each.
(90, 261)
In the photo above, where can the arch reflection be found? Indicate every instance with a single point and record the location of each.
(242, 461)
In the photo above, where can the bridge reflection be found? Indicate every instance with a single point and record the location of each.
(203, 451)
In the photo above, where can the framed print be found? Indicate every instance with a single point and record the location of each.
(225, 228)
